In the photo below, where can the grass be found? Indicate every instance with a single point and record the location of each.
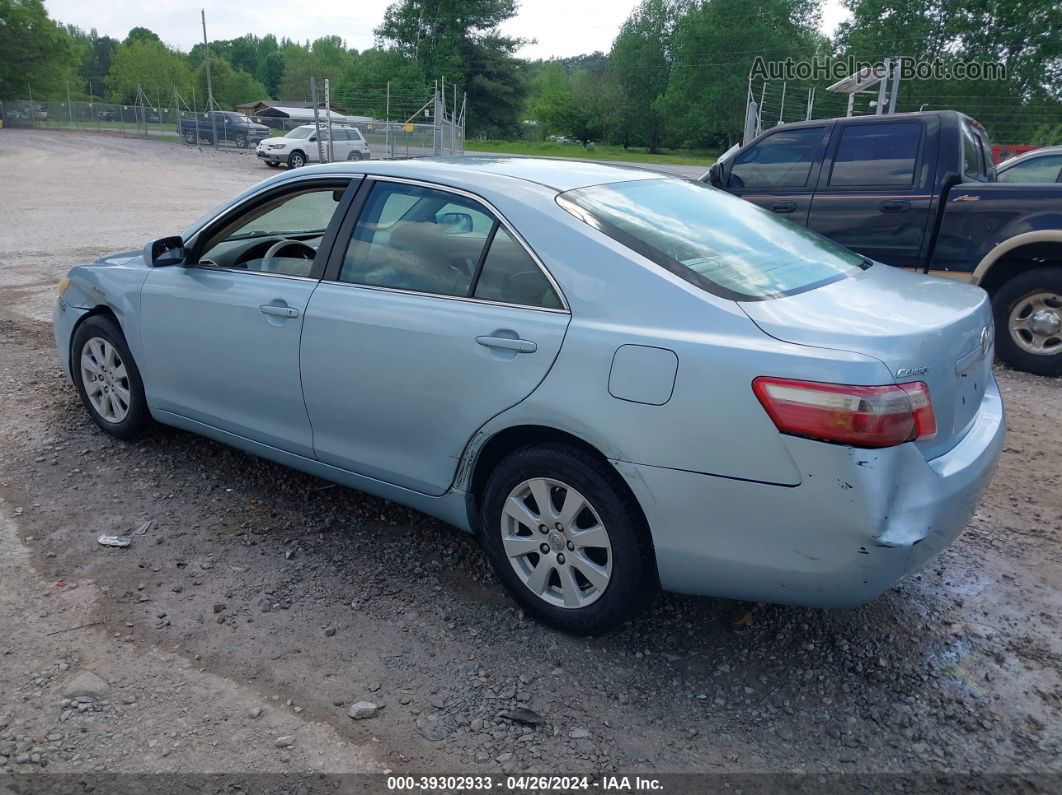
(592, 152)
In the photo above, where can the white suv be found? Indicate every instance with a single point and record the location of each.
(299, 146)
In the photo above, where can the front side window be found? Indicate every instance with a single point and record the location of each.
(876, 154)
(781, 160)
(1038, 169)
(414, 238)
(715, 241)
(280, 235)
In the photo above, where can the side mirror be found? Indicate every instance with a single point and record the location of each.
(165, 251)
(714, 177)
(455, 223)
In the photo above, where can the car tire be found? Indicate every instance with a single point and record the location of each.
(296, 159)
(562, 595)
(118, 375)
(189, 137)
(272, 163)
(1016, 306)
(241, 141)
(354, 155)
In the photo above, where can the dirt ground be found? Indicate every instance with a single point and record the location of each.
(259, 604)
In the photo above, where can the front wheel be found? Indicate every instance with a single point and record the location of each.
(107, 378)
(272, 163)
(241, 141)
(189, 137)
(296, 160)
(1028, 316)
(567, 539)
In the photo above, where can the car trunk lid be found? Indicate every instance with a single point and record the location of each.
(920, 327)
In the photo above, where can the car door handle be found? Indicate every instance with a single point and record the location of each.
(783, 207)
(509, 344)
(282, 311)
(895, 206)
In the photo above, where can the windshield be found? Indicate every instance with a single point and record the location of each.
(299, 132)
(718, 242)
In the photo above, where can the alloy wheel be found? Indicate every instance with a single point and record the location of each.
(105, 379)
(556, 543)
(1035, 323)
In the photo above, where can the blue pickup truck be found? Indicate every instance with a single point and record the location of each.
(919, 191)
(224, 126)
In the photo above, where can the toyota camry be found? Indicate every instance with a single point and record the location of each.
(621, 381)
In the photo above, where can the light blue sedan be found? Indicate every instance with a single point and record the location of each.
(620, 380)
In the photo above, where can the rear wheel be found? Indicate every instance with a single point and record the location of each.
(107, 378)
(1028, 316)
(296, 160)
(354, 155)
(567, 539)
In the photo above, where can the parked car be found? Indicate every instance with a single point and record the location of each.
(225, 126)
(108, 115)
(1039, 166)
(569, 359)
(299, 146)
(919, 191)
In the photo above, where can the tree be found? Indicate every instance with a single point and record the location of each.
(35, 53)
(1026, 35)
(641, 56)
(714, 47)
(151, 65)
(326, 57)
(231, 87)
(458, 40)
(138, 34)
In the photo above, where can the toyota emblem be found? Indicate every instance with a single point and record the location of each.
(986, 340)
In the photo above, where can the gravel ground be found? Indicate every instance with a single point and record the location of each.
(259, 604)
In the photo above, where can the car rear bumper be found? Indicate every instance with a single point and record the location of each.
(859, 520)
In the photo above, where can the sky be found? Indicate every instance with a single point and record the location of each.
(559, 28)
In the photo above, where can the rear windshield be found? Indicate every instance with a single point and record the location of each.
(716, 241)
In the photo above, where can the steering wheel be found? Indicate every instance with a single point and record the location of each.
(295, 249)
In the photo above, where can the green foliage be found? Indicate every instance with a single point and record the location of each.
(642, 59)
(458, 40)
(1026, 35)
(34, 51)
(151, 65)
(715, 45)
(231, 86)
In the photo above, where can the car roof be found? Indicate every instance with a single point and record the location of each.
(1035, 153)
(559, 174)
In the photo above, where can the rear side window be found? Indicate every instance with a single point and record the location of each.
(876, 154)
(718, 242)
(781, 160)
(975, 166)
(510, 275)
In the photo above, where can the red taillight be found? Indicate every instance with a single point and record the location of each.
(862, 416)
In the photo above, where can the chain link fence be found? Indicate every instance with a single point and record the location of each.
(404, 123)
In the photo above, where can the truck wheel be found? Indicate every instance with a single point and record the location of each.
(189, 137)
(296, 160)
(241, 141)
(1028, 315)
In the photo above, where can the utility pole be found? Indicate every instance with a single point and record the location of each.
(69, 107)
(316, 119)
(210, 89)
(328, 121)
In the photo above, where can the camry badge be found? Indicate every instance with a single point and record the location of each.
(906, 372)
